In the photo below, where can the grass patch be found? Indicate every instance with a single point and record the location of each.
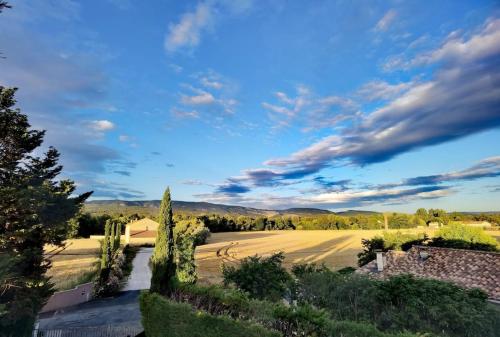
(80, 277)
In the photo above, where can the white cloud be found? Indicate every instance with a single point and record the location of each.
(185, 114)
(384, 23)
(102, 125)
(381, 90)
(316, 111)
(124, 138)
(209, 83)
(204, 98)
(175, 68)
(187, 32)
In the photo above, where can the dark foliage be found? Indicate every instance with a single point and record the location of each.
(163, 264)
(161, 317)
(402, 303)
(261, 278)
(34, 211)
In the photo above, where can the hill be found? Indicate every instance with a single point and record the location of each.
(150, 207)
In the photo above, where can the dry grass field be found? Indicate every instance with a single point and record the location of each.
(335, 248)
(74, 264)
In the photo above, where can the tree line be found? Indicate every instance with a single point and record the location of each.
(86, 224)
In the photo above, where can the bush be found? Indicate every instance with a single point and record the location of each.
(370, 246)
(466, 233)
(401, 303)
(461, 244)
(303, 320)
(261, 278)
(194, 228)
(161, 317)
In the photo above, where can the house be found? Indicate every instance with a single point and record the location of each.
(141, 231)
(466, 268)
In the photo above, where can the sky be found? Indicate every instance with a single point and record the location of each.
(377, 105)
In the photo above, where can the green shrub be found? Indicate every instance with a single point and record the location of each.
(461, 244)
(466, 233)
(401, 303)
(354, 329)
(370, 246)
(261, 278)
(303, 320)
(194, 228)
(162, 317)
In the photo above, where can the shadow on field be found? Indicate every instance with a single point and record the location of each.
(335, 252)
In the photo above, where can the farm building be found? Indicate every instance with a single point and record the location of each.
(141, 231)
(466, 268)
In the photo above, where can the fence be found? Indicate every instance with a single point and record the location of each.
(96, 331)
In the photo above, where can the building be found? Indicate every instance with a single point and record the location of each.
(466, 268)
(141, 231)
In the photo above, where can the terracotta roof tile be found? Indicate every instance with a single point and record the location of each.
(467, 268)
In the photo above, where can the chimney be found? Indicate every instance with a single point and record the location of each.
(380, 261)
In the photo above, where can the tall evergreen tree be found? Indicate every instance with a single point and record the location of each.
(34, 211)
(118, 235)
(163, 255)
(186, 267)
(112, 237)
(105, 248)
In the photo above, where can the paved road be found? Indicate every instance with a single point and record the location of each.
(140, 277)
(122, 309)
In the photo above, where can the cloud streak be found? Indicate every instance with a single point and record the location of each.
(462, 98)
(188, 32)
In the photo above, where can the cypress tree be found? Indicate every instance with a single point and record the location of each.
(112, 237)
(186, 268)
(106, 249)
(163, 264)
(118, 235)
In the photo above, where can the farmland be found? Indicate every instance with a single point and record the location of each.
(74, 264)
(335, 248)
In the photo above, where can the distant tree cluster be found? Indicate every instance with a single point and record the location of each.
(86, 224)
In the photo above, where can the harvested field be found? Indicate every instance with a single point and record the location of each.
(75, 263)
(337, 249)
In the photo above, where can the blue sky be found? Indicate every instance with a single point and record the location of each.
(383, 105)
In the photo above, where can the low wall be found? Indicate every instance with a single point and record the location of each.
(62, 299)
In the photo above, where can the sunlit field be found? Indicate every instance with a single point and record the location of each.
(335, 248)
(75, 264)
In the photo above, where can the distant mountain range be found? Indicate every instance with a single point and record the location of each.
(151, 207)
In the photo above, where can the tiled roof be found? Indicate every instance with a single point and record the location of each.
(467, 268)
(142, 234)
(143, 224)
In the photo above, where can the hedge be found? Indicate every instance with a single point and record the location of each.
(301, 320)
(162, 317)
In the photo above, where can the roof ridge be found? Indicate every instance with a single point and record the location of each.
(457, 249)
